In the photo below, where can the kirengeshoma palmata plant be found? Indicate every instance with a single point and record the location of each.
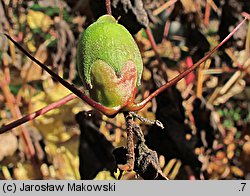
(110, 66)
(122, 67)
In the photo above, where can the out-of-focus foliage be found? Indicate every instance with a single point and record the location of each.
(206, 116)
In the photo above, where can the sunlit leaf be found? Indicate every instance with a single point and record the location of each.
(37, 19)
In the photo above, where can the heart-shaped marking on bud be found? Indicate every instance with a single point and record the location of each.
(111, 90)
(109, 62)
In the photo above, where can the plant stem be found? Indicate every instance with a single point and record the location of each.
(108, 7)
(153, 44)
(15, 112)
(207, 13)
(37, 113)
(164, 7)
(148, 121)
(106, 110)
(173, 81)
(130, 142)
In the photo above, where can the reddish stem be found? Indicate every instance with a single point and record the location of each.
(6, 69)
(153, 44)
(106, 110)
(37, 113)
(173, 81)
(108, 7)
(15, 111)
(166, 30)
(207, 13)
(103, 109)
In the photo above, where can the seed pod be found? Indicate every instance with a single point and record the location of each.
(109, 62)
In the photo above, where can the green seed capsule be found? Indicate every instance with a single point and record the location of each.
(109, 62)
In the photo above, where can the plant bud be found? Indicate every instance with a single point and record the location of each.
(109, 62)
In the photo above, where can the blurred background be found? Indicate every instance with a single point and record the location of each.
(206, 115)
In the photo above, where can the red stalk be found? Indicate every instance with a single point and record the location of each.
(37, 113)
(108, 7)
(173, 81)
(106, 110)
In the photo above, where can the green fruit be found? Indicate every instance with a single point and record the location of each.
(109, 62)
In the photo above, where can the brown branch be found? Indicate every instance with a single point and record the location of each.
(37, 113)
(129, 166)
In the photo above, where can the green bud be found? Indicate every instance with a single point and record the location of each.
(109, 62)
